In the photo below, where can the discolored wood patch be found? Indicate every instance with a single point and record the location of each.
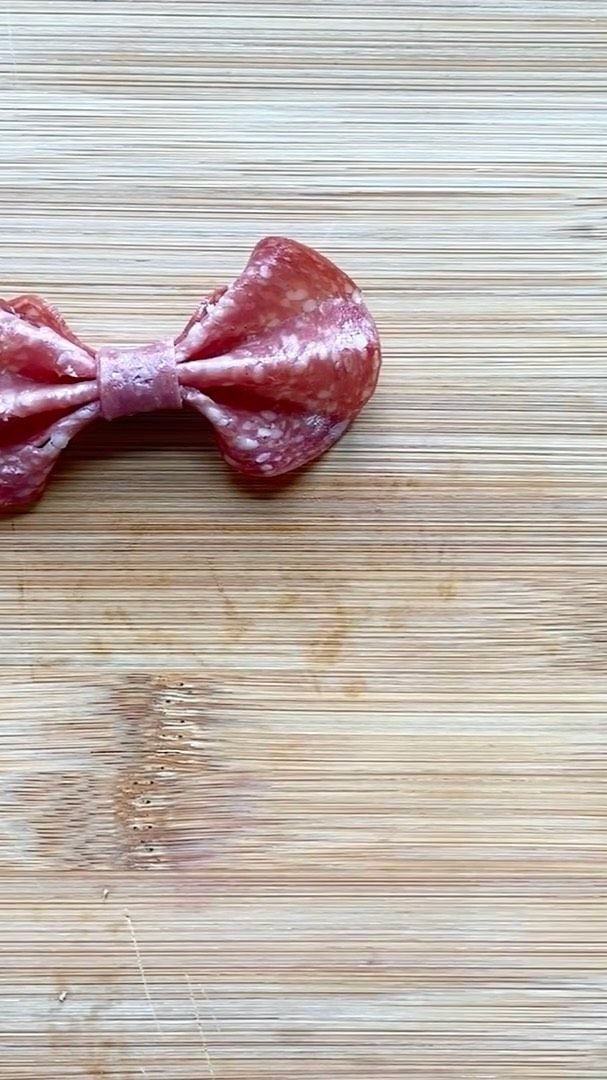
(138, 777)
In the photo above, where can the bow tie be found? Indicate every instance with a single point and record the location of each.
(279, 362)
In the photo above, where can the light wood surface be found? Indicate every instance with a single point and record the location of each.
(308, 782)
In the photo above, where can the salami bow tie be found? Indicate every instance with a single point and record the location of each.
(279, 362)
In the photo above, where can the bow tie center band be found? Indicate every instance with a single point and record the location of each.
(279, 362)
(138, 380)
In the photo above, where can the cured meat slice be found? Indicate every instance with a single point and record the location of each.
(282, 278)
(30, 451)
(325, 359)
(138, 380)
(280, 362)
(35, 342)
(37, 312)
(267, 441)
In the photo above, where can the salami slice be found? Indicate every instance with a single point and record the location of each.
(279, 363)
(29, 450)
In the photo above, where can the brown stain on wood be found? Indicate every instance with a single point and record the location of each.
(173, 769)
(355, 688)
(448, 588)
(118, 615)
(157, 761)
(326, 640)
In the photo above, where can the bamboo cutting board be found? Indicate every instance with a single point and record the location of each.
(307, 781)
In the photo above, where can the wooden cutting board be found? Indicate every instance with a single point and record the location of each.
(307, 781)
